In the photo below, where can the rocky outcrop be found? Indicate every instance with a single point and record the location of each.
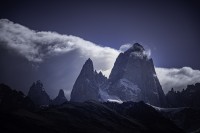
(60, 99)
(38, 95)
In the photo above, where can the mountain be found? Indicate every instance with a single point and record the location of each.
(38, 95)
(133, 78)
(60, 99)
(188, 97)
(87, 84)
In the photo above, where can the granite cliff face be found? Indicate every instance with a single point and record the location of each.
(133, 78)
(87, 84)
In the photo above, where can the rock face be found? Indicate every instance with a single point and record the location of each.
(133, 78)
(87, 84)
(60, 99)
(38, 95)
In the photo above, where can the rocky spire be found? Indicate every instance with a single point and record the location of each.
(61, 93)
(60, 99)
(85, 87)
(38, 94)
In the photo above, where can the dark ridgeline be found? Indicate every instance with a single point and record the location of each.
(133, 78)
(189, 97)
(74, 117)
(18, 114)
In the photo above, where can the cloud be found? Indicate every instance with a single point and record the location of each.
(125, 47)
(37, 46)
(177, 78)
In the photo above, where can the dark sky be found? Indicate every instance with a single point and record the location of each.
(171, 29)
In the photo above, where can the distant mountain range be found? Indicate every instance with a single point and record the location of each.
(39, 96)
(130, 100)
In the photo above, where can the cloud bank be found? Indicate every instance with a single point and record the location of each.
(177, 78)
(37, 47)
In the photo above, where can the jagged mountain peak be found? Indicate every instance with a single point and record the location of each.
(88, 62)
(60, 99)
(38, 94)
(61, 93)
(87, 84)
(87, 68)
(137, 51)
(136, 47)
(100, 73)
(38, 85)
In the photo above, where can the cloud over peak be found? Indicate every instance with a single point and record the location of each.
(123, 48)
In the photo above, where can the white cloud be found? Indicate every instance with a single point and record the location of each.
(147, 52)
(177, 78)
(125, 47)
(36, 46)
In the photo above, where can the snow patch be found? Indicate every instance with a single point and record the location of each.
(128, 85)
(115, 101)
(166, 109)
(106, 97)
(139, 55)
(154, 75)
